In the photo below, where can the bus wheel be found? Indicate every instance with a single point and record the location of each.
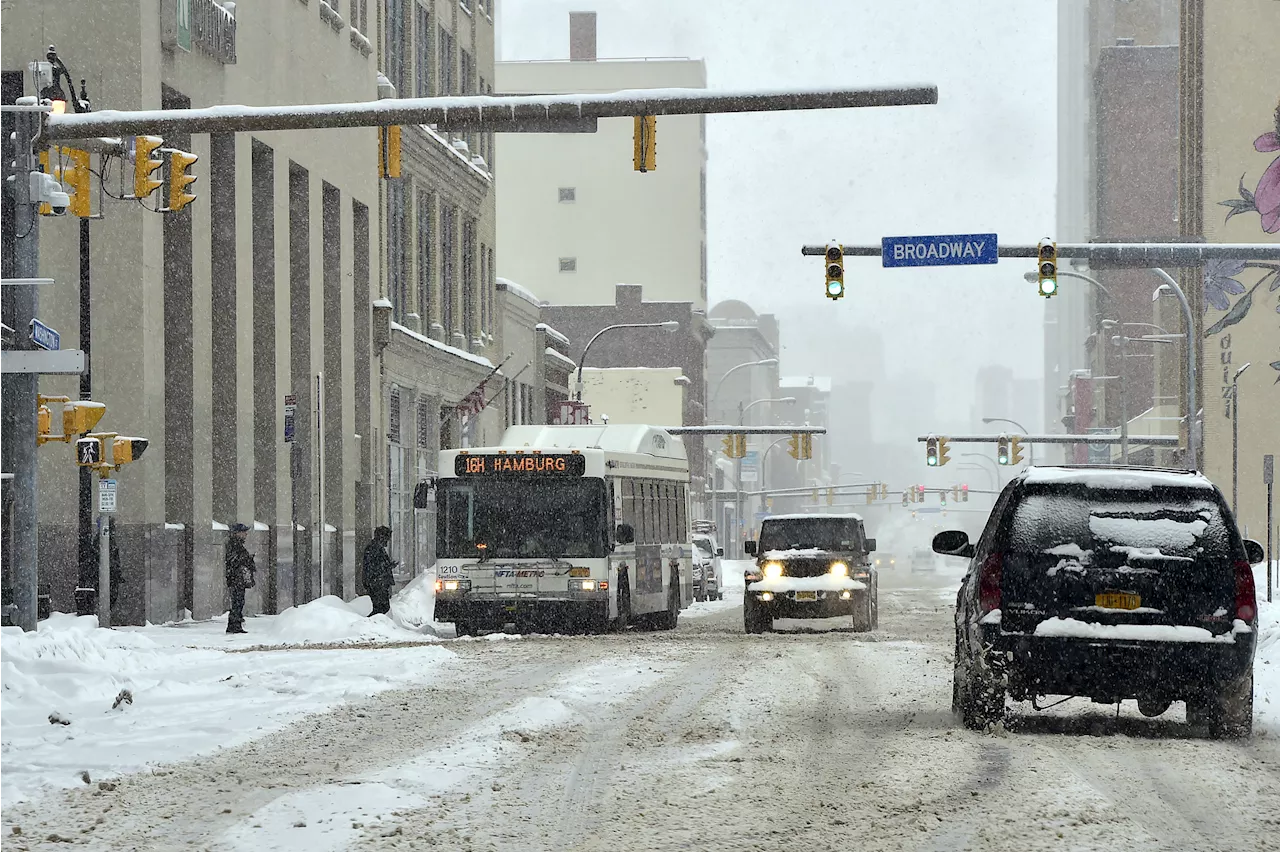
(667, 620)
(464, 628)
(624, 602)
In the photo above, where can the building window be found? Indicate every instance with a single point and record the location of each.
(393, 416)
(703, 191)
(491, 287)
(568, 264)
(469, 279)
(484, 288)
(447, 76)
(425, 431)
(393, 62)
(398, 248)
(422, 50)
(426, 276)
(448, 290)
(568, 194)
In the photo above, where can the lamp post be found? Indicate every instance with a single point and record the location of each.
(669, 325)
(994, 485)
(1189, 374)
(763, 362)
(995, 466)
(737, 463)
(1123, 342)
(1235, 434)
(1031, 449)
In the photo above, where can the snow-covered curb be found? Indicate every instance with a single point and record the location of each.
(1266, 661)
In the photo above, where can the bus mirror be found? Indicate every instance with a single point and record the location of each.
(626, 534)
(871, 545)
(719, 551)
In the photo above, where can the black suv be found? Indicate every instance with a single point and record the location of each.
(1108, 583)
(811, 566)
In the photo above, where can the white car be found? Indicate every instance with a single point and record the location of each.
(707, 585)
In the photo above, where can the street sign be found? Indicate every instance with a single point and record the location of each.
(63, 362)
(751, 467)
(940, 250)
(45, 337)
(107, 496)
(290, 418)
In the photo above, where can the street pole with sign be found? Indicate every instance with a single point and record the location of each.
(1269, 477)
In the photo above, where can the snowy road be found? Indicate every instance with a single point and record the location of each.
(699, 739)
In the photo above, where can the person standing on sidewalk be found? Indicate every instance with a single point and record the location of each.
(379, 576)
(241, 572)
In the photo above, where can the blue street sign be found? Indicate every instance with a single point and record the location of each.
(942, 250)
(45, 337)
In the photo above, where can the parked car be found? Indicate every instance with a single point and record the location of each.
(811, 566)
(1110, 584)
(707, 580)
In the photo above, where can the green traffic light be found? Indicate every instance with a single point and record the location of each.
(1048, 286)
(835, 289)
(932, 461)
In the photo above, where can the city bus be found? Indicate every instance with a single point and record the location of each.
(566, 528)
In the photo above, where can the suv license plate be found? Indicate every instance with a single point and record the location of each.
(1117, 600)
(806, 596)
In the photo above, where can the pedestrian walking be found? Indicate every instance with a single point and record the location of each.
(379, 576)
(241, 575)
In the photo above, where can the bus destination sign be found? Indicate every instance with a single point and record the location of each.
(534, 465)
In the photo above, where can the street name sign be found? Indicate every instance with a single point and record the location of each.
(45, 337)
(939, 250)
(107, 496)
(65, 362)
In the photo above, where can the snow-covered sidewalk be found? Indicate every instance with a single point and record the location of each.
(1266, 662)
(82, 704)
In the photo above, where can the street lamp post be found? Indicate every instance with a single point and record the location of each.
(1122, 342)
(737, 463)
(995, 466)
(669, 325)
(715, 392)
(995, 485)
(1031, 449)
(1235, 434)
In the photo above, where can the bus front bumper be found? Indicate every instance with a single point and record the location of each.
(490, 607)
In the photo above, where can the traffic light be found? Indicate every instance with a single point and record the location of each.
(79, 180)
(44, 424)
(1047, 269)
(126, 450)
(871, 495)
(89, 452)
(906, 497)
(931, 451)
(942, 498)
(831, 496)
(964, 493)
(81, 416)
(919, 493)
(741, 446)
(730, 444)
(645, 155)
(1015, 450)
(944, 452)
(955, 493)
(179, 180)
(806, 446)
(1002, 449)
(884, 491)
(389, 151)
(835, 272)
(144, 164)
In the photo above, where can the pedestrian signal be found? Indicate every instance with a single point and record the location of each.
(89, 452)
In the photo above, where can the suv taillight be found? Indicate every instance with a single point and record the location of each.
(989, 578)
(1246, 595)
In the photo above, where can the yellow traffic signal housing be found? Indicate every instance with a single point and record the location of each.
(835, 272)
(793, 447)
(79, 180)
(389, 151)
(931, 451)
(906, 497)
(884, 491)
(944, 452)
(964, 493)
(126, 450)
(81, 416)
(831, 496)
(179, 180)
(1002, 449)
(644, 158)
(144, 164)
(1015, 449)
(1047, 267)
(730, 444)
(806, 446)
(871, 495)
(44, 424)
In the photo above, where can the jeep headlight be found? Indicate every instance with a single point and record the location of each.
(772, 570)
(839, 569)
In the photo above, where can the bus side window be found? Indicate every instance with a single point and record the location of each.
(664, 513)
(672, 535)
(631, 505)
(682, 514)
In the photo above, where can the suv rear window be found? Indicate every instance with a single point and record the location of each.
(803, 533)
(1121, 525)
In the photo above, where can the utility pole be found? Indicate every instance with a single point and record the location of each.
(1269, 477)
(20, 389)
(84, 537)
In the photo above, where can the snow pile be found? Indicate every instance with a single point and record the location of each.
(180, 701)
(330, 619)
(1266, 661)
(825, 583)
(732, 599)
(1075, 629)
(796, 553)
(414, 606)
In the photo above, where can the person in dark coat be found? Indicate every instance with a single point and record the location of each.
(379, 576)
(241, 572)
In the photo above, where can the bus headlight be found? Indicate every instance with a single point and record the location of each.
(772, 570)
(839, 569)
(588, 585)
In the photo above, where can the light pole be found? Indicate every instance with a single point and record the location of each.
(1122, 342)
(669, 325)
(995, 485)
(1235, 435)
(737, 463)
(763, 362)
(995, 466)
(1189, 374)
(1031, 449)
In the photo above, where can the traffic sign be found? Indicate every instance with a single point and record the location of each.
(45, 337)
(63, 362)
(107, 496)
(751, 467)
(940, 250)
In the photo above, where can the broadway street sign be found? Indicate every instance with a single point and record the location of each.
(943, 250)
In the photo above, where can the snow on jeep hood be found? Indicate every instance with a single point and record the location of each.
(796, 553)
(825, 583)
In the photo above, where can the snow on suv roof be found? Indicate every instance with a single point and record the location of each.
(1119, 478)
(847, 516)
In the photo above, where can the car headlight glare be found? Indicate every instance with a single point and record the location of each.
(772, 570)
(839, 569)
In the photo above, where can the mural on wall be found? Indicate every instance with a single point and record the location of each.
(1222, 277)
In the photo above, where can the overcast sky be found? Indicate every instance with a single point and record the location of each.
(982, 160)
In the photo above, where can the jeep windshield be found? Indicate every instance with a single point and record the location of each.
(521, 518)
(810, 533)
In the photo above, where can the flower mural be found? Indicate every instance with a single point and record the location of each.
(1221, 277)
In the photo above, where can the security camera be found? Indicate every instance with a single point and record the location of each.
(46, 190)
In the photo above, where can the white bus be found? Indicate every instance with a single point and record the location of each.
(564, 529)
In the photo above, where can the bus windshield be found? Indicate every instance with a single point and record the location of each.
(495, 518)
